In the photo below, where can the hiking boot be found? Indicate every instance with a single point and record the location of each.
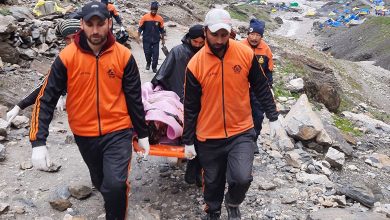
(212, 216)
(233, 212)
(148, 66)
(154, 70)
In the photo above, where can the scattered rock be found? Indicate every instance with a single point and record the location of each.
(339, 213)
(296, 85)
(20, 121)
(80, 191)
(19, 209)
(297, 158)
(3, 109)
(378, 160)
(359, 192)
(266, 185)
(60, 204)
(350, 139)
(26, 165)
(69, 139)
(3, 127)
(4, 207)
(371, 124)
(307, 178)
(335, 158)
(278, 20)
(2, 153)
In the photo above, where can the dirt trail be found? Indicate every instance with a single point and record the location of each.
(369, 82)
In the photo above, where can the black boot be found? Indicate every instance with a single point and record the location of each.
(154, 70)
(148, 66)
(212, 216)
(233, 211)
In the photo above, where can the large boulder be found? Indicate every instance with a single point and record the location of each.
(304, 124)
(321, 84)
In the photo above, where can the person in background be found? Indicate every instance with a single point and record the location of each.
(171, 77)
(66, 30)
(263, 55)
(104, 107)
(217, 114)
(114, 14)
(151, 26)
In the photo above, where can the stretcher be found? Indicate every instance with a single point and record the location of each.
(162, 150)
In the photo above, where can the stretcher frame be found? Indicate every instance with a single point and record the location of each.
(161, 150)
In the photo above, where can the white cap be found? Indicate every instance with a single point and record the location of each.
(217, 19)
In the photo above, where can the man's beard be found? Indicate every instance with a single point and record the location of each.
(195, 49)
(217, 49)
(97, 39)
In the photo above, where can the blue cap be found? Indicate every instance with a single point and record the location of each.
(256, 26)
(154, 5)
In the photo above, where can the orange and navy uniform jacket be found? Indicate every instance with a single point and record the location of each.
(264, 56)
(151, 27)
(104, 91)
(216, 98)
(114, 13)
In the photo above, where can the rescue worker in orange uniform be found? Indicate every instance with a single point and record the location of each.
(104, 106)
(151, 26)
(217, 114)
(263, 55)
(113, 13)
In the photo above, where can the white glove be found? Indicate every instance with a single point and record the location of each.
(40, 158)
(144, 144)
(275, 127)
(122, 28)
(61, 103)
(12, 114)
(189, 151)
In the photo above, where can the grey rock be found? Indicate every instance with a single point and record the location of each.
(62, 192)
(3, 127)
(301, 122)
(138, 213)
(307, 178)
(378, 160)
(4, 207)
(18, 209)
(50, 36)
(266, 185)
(20, 121)
(26, 165)
(27, 54)
(2, 153)
(296, 85)
(60, 204)
(8, 53)
(340, 213)
(359, 192)
(338, 141)
(370, 124)
(278, 20)
(7, 24)
(3, 109)
(21, 13)
(53, 168)
(297, 158)
(323, 138)
(69, 139)
(80, 191)
(335, 158)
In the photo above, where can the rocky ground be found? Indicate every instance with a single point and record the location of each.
(321, 170)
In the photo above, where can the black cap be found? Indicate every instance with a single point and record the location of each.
(154, 5)
(196, 31)
(95, 9)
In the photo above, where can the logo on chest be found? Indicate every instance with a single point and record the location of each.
(111, 73)
(237, 69)
(261, 60)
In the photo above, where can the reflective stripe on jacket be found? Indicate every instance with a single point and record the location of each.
(104, 92)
